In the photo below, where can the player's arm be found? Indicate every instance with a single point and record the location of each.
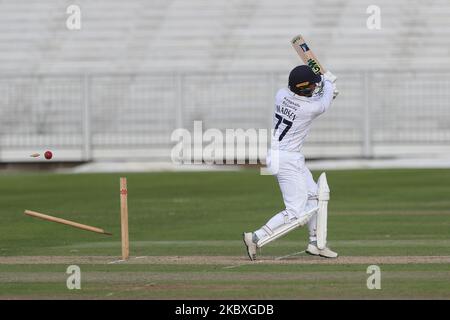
(329, 92)
(327, 96)
(328, 75)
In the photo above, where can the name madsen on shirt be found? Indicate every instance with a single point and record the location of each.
(286, 109)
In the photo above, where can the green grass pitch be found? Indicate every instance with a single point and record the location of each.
(185, 237)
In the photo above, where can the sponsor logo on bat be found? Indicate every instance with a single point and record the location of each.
(314, 65)
(304, 47)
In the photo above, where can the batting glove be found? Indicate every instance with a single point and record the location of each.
(335, 91)
(330, 77)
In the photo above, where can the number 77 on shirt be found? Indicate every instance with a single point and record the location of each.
(307, 55)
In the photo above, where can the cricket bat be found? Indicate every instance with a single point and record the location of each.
(307, 55)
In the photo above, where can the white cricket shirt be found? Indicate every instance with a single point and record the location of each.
(293, 116)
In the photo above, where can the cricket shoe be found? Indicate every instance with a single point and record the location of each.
(312, 249)
(251, 246)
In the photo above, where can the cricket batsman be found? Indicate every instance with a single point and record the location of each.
(296, 106)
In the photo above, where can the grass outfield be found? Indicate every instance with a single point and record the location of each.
(185, 233)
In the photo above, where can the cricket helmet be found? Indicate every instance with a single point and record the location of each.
(300, 78)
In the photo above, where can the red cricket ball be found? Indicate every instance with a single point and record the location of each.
(48, 155)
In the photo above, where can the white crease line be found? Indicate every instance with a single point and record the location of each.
(116, 261)
(243, 264)
(290, 255)
(233, 266)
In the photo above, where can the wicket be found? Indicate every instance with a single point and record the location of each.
(64, 221)
(124, 218)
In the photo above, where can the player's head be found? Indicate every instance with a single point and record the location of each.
(303, 81)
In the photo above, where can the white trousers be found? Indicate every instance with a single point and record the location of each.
(298, 188)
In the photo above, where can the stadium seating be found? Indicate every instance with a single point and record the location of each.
(139, 69)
